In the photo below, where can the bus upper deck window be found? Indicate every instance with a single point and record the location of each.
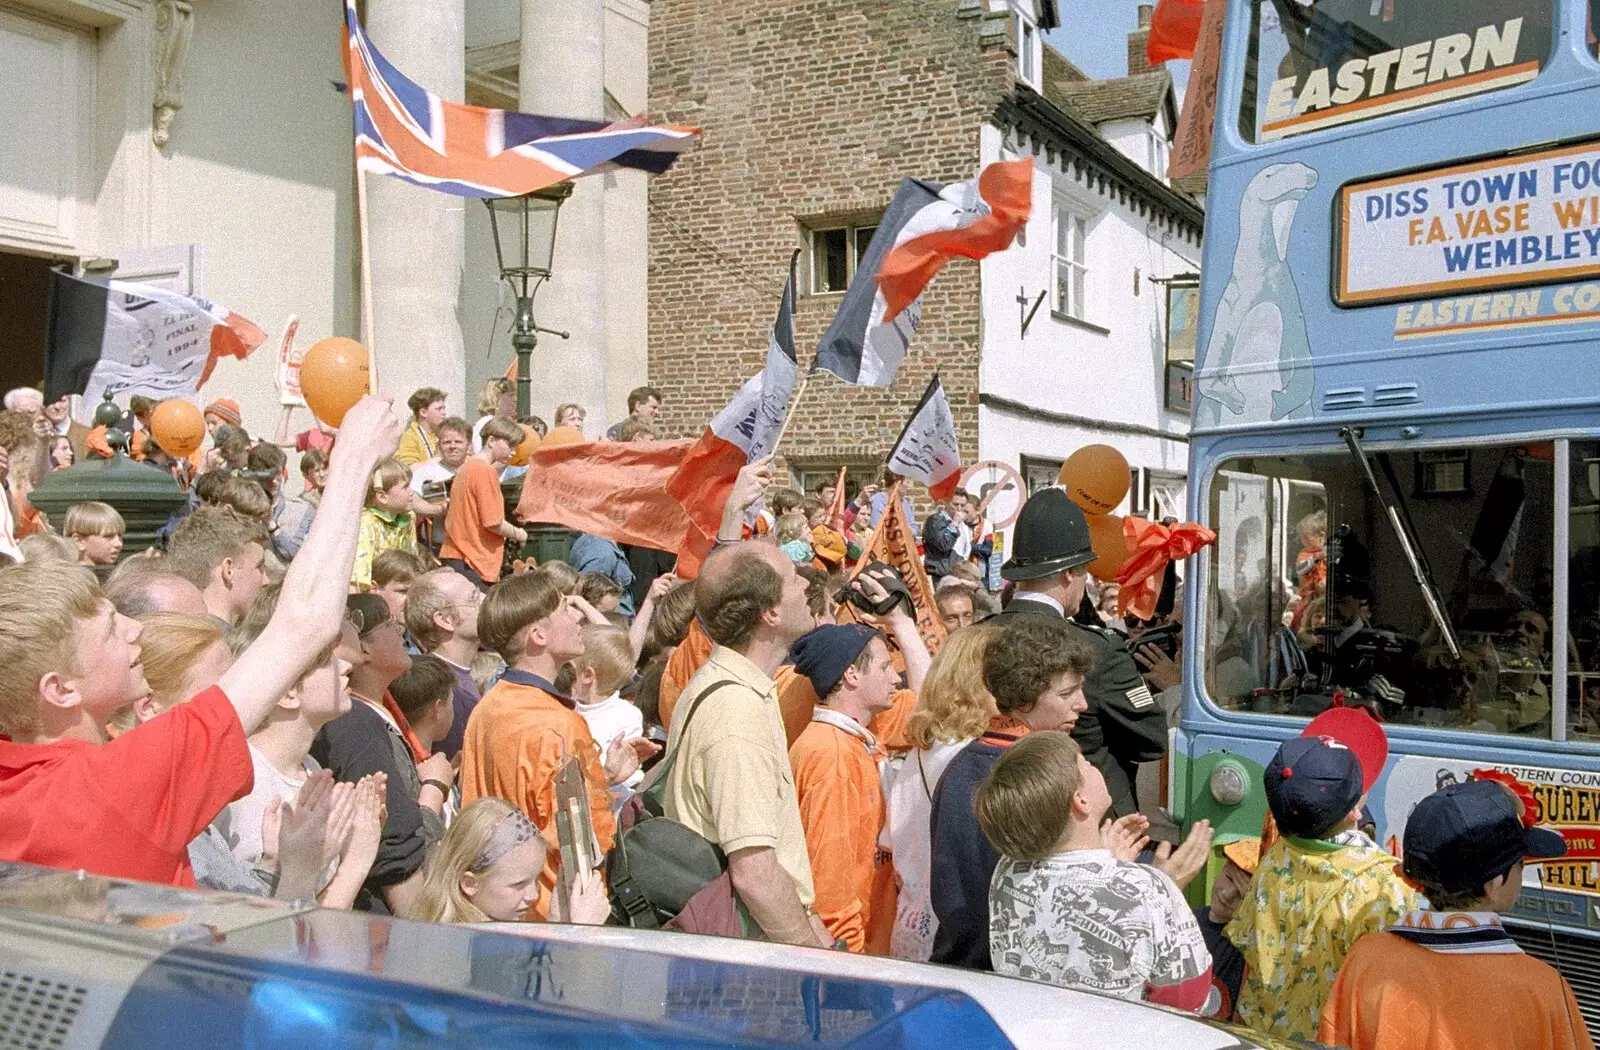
(1315, 64)
(1311, 594)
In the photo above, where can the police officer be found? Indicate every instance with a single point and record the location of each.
(1124, 724)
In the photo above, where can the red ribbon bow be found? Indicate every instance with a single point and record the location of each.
(1154, 546)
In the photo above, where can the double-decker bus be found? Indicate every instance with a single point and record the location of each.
(1397, 419)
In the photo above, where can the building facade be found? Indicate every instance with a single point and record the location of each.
(203, 148)
(814, 110)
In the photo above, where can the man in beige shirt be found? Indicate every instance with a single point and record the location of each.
(731, 781)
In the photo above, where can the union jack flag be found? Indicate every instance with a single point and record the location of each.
(404, 130)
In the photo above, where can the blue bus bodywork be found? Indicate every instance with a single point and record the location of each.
(1395, 427)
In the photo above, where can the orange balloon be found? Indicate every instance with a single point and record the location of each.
(1096, 478)
(563, 436)
(178, 427)
(524, 451)
(1110, 545)
(333, 377)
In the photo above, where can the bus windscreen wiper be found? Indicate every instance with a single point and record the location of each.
(1430, 593)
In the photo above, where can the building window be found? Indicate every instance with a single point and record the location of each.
(1040, 473)
(808, 476)
(1183, 334)
(836, 252)
(1157, 154)
(1069, 257)
(1026, 35)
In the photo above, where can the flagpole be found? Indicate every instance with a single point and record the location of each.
(794, 406)
(367, 327)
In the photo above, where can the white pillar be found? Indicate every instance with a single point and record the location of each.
(562, 74)
(418, 235)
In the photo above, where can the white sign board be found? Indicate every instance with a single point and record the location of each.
(1492, 224)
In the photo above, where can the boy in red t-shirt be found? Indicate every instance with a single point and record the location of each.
(68, 660)
(475, 525)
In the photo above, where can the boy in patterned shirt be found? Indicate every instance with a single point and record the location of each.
(1067, 904)
(1317, 890)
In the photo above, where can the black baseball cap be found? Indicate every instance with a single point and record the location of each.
(1313, 783)
(1464, 835)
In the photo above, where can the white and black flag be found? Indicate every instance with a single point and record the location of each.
(130, 338)
(860, 347)
(924, 227)
(928, 449)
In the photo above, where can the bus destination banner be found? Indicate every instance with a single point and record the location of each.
(1566, 801)
(1528, 220)
(1353, 65)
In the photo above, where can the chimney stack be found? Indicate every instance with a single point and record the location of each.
(1138, 40)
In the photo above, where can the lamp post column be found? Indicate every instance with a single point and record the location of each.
(562, 74)
(524, 337)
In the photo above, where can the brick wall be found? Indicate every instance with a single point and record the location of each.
(811, 109)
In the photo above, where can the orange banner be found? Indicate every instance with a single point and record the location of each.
(1174, 30)
(1191, 146)
(894, 544)
(836, 509)
(609, 489)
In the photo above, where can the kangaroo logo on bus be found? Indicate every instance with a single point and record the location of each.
(1257, 363)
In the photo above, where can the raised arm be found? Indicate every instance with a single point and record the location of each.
(311, 604)
(900, 623)
(751, 484)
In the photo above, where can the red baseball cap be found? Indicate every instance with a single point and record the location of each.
(1358, 731)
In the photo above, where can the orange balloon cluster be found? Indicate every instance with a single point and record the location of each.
(1110, 545)
(563, 435)
(524, 451)
(178, 427)
(333, 377)
(1096, 478)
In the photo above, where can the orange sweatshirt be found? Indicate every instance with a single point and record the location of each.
(841, 807)
(517, 739)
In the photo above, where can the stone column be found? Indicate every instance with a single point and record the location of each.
(417, 235)
(562, 74)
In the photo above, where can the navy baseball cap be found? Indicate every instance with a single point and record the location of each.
(823, 655)
(1464, 835)
(1313, 783)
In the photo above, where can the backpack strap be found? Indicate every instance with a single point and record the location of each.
(658, 775)
(688, 716)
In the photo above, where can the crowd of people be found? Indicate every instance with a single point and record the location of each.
(362, 693)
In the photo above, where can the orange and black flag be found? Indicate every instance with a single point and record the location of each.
(836, 509)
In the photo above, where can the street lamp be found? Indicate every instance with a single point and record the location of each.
(524, 240)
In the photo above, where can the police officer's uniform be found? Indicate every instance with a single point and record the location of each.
(1124, 725)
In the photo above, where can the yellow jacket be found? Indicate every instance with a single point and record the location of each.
(1310, 902)
(416, 445)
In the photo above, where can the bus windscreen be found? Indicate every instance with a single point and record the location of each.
(1315, 64)
(1311, 593)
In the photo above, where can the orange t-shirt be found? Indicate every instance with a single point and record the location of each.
(477, 508)
(516, 742)
(1392, 994)
(685, 660)
(841, 808)
(890, 726)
